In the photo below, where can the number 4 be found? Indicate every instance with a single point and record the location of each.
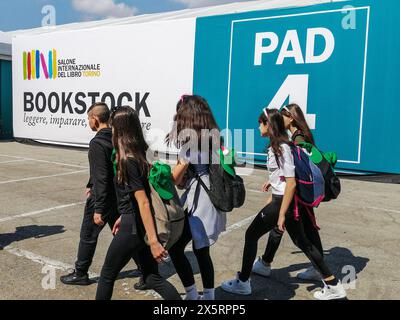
(295, 87)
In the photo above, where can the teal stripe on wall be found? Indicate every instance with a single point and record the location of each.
(6, 130)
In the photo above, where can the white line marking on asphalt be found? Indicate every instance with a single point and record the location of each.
(349, 205)
(43, 177)
(60, 163)
(12, 161)
(33, 213)
(383, 209)
(45, 161)
(255, 191)
(231, 228)
(237, 225)
(43, 260)
(370, 208)
(62, 266)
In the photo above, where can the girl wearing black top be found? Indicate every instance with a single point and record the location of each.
(136, 219)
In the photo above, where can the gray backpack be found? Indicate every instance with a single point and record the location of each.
(169, 217)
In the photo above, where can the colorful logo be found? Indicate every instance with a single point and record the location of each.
(36, 66)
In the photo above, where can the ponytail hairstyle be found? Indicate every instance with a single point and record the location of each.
(128, 141)
(276, 130)
(299, 121)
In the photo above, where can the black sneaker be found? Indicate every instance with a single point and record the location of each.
(141, 285)
(75, 279)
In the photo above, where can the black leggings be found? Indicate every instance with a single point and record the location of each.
(275, 237)
(266, 221)
(89, 236)
(123, 246)
(182, 264)
(300, 237)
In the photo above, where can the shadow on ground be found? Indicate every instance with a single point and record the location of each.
(29, 232)
(282, 286)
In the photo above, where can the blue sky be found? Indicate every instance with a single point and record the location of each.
(23, 14)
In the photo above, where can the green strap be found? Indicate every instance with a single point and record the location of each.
(317, 155)
(114, 160)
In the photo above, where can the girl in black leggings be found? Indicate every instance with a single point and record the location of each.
(296, 124)
(204, 222)
(136, 219)
(182, 264)
(279, 212)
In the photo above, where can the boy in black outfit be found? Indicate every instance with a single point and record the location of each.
(101, 203)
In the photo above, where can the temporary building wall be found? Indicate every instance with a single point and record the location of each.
(338, 60)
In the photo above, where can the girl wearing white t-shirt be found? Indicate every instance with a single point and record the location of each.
(279, 211)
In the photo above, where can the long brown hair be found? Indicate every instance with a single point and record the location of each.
(277, 131)
(193, 113)
(128, 141)
(299, 121)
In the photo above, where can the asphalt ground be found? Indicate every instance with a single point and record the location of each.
(41, 208)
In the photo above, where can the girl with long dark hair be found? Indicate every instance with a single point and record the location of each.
(195, 132)
(279, 212)
(136, 221)
(295, 122)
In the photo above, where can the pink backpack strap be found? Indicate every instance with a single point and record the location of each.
(312, 217)
(296, 208)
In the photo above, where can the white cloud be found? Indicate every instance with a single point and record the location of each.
(104, 8)
(204, 3)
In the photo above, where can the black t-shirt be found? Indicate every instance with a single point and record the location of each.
(136, 181)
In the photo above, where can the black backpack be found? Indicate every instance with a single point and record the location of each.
(226, 192)
(325, 164)
(332, 182)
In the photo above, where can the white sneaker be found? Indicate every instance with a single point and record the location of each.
(309, 275)
(260, 268)
(236, 286)
(331, 292)
(199, 297)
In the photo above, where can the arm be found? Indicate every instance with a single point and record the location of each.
(156, 248)
(89, 185)
(99, 167)
(287, 199)
(178, 172)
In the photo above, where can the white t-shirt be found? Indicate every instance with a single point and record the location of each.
(286, 169)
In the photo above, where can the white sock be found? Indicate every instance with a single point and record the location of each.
(209, 294)
(191, 293)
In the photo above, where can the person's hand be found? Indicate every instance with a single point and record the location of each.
(266, 186)
(87, 192)
(97, 219)
(116, 227)
(281, 223)
(158, 251)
